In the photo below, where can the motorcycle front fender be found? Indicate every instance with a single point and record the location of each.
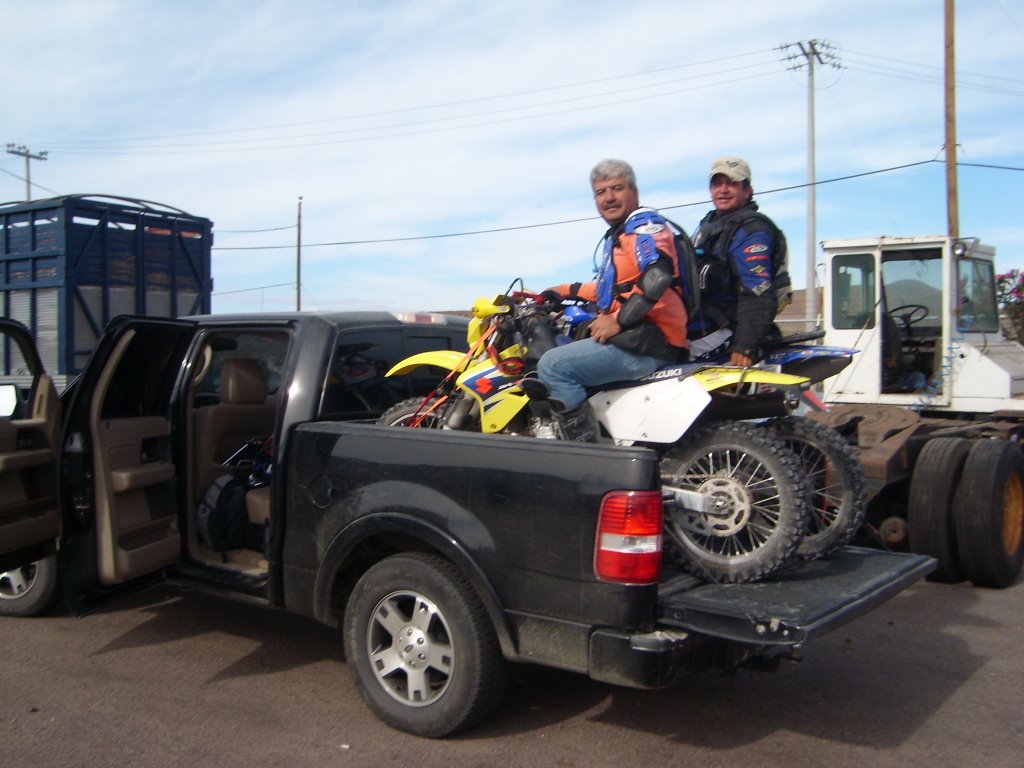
(448, 359)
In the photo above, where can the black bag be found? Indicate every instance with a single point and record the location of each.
(222, 520)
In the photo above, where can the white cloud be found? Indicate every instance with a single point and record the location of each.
(497, 114)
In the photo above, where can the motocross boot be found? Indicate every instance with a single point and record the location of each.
(577, 424)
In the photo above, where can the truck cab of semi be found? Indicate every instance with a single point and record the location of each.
(933, 399)
(922, 312)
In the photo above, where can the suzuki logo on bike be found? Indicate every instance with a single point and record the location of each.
(483, 385)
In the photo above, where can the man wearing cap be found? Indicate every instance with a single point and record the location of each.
(741, 258)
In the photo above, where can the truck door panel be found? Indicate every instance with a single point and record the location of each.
(136, 521)
(120, 495)
(134, 491)
(28, 437)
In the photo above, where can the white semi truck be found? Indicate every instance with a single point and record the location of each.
(933, 400)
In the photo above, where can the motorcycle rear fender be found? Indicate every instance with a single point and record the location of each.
(716, 378)
(448, 359)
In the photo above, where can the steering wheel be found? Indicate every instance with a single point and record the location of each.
(914, 313)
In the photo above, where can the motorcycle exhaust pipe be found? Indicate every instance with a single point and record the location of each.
(740, 407)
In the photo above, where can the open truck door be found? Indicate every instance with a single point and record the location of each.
(29, 434)
(120, 488)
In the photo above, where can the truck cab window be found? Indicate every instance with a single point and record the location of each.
(269, 350)
(134, 391)
(853, 291)
(976, 309)
(356, 384)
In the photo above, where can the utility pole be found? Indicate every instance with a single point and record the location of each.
(23, 151)
(298, 258)
(952, 201)
(822, 53)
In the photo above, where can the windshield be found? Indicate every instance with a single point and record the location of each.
(913, 279)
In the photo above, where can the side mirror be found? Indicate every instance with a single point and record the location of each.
(8, 401)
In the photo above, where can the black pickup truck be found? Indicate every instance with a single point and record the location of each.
(440, 555)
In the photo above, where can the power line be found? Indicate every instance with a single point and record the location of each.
(257, 288)
(987, 165)
(190, 149)
(442, 105)
(253, 231)
(876, 69)
(938, 70)
(382, 241)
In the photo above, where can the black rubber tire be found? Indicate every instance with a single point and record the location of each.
(457, 670)
(30, 590)
(988, 512)
(401, 413)
(759, 487)
(936, 475)
(835, 477)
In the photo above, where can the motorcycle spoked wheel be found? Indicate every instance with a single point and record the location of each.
(758, 509)
(404, 413)
(839, 499)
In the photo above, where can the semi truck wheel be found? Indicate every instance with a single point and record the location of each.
(755, 502)
(421, 647)
(838, 490)
(988, 512)
(930, 504)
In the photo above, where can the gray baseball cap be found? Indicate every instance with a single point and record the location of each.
(733, 167)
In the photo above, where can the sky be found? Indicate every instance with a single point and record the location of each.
(442, 149)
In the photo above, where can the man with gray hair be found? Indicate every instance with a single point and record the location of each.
(741, 258)
(641, 323)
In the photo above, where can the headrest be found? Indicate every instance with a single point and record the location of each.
(242, 382)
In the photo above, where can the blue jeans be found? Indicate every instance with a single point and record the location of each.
(569, 369)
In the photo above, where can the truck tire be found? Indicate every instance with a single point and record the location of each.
(31, 589)
(421, 647)
(839, 499)
(988, 512)
(759, 497)
(937, 472)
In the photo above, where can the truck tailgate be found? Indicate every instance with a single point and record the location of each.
(805, 599)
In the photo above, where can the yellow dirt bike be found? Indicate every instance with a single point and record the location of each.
(737, 501)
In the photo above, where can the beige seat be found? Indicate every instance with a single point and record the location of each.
(257, 505)
(243, 413)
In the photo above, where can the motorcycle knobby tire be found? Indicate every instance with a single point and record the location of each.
(839, 498)
(756, 502)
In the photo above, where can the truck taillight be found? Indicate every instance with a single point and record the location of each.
(628, 547)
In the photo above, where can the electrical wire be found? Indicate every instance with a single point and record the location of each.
(379, 241)
(256, 143)
(442, 105)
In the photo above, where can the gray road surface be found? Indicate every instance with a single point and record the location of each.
(175, 678)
